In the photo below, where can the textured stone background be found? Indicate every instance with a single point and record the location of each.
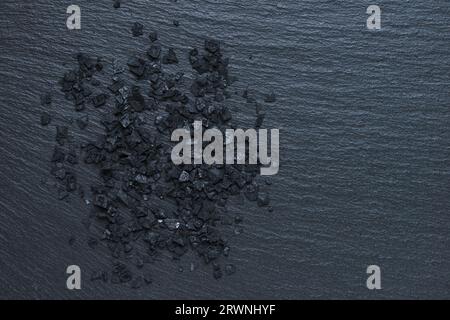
(365, 137)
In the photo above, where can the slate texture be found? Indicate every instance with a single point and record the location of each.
(365, 145)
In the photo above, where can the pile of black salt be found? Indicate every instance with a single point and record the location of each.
(132, 157)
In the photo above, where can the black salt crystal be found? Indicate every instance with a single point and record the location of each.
(154, 51)
(60, 173)
(72, 240)
(122, 273)
(217, 274)
(125, 120)
(116, 86)
(83, 121)
(46, 99)
(99, 100)
(134, 164)
(271, 98)
(97, 275)
(62, 194)
(170, 57)
(160, 214)
(251, 192)
(62, 134)
(230, 269)
(153, 36)
(58, 154)
(139, 262)
(101, 201)
(45, 118)
(71, 182)
(184, 177)
(173, 224)
(72, 157)
(137, 100)
(137, 29)
(215, 175)
(263, 200)
(259, 120)
(79, 106)
(212, 45)
(137, 66)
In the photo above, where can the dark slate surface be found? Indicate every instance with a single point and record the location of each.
(365, 136)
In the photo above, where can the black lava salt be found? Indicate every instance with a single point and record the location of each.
(132, 158)
(137, 29)
(153, 36)
(45, 118)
